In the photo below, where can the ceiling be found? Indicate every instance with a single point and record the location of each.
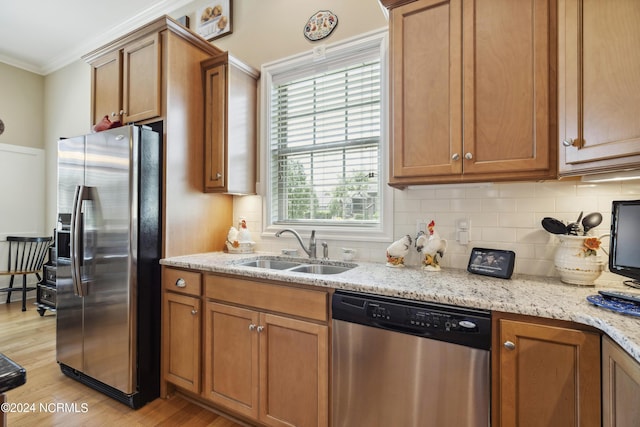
(42, 36)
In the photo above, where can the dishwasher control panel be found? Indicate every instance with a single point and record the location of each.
(417, 318)
(460, 325)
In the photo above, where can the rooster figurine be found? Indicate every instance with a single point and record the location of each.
(432, 247)
(244, 235)
(232, 237)
(397, 251)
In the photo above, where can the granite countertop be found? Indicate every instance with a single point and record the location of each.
(530, 295)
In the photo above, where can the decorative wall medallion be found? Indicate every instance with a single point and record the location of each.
(320, 25)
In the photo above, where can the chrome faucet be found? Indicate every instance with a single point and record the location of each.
(311, 251)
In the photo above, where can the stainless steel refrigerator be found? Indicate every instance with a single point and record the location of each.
(108, 251)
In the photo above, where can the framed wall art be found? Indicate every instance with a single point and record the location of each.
(213, 19)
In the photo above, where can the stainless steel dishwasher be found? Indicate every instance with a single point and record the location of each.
(405, 363)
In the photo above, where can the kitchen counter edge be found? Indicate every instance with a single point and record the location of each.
(545, 297)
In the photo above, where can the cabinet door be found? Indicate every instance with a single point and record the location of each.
(294, 372)
(231, 358)
(215, 83)
(620, 387)
(181, 341)
(141, 84)
(548, 376)
(506, 69)
(599, 90)
(106, 87)
(425, 55)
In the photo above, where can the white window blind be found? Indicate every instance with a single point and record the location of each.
(325, 146)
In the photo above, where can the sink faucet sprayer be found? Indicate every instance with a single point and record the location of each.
(311, 251)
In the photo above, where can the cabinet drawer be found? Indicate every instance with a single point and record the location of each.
(283, 299)
(187, 282)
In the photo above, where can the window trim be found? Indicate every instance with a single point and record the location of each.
(290, 67)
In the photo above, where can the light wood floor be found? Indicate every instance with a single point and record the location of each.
(29, 340)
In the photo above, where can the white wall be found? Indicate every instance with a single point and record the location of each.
(22, 191)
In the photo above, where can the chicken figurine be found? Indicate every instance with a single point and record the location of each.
(397, 251)
(432, 247)
(244, 236)
(232, 237)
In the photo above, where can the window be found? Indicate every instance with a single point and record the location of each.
(324, 141)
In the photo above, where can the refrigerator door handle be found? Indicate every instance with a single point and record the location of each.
(81, 194)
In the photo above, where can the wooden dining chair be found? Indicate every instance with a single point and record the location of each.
(26, 255)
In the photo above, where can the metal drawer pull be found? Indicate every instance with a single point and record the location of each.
(181, 283)
(468, 156)
(455, 157)
(260, 329)
(568, 142)
(509, 345)
(252, 327)
(194, 311)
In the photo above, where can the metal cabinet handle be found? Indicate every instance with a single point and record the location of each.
(194, 311)
(181, 283)
(218, 175)
(252, 327)
(468, 156)
(455, 157)
(260, 329)
(568, 142)
(509, 345)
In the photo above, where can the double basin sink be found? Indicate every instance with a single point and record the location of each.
(298, 266)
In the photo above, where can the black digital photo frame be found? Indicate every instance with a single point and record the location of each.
(492, 262)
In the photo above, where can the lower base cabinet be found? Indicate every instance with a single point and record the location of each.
(265, 366)
(544, 374)
(620, 387)
(259, 350)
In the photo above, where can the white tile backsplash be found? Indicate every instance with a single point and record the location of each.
(503, 216)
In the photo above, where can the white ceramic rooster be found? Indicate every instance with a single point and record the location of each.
(244, 236)
(232, 237)
(432, 247)
(397, 251)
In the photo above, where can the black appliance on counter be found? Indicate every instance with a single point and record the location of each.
(624, 258)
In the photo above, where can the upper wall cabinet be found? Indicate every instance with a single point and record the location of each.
(154, 75)
(126, 82)
(230, 89)
(472, 90)
(599, 86)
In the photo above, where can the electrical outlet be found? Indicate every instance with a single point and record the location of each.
(463, 230)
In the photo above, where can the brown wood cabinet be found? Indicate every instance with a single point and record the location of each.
(230, 125)
(545, 373)
(261, 362)
(154, 76)
(260, 351)
(473, 90)
(620, 386)
(599, 86)
(126, 82)
(181, 329)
